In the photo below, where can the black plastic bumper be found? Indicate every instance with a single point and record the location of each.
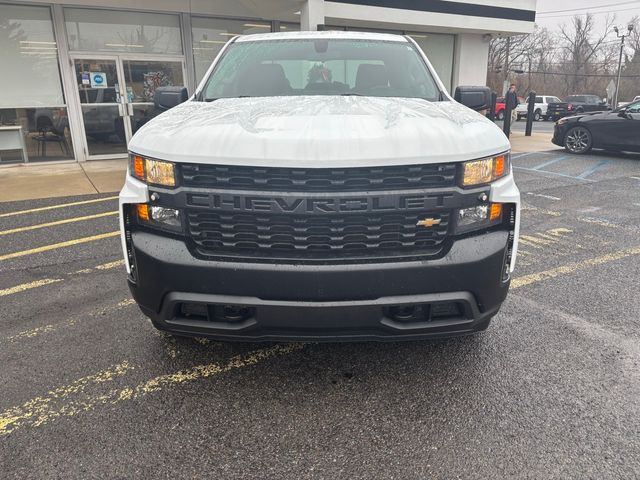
(320, 302)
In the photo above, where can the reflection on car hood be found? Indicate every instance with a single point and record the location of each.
(319, 131)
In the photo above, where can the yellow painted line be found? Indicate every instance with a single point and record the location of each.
(107, 266)
(537, 240)
(51, 207)
(49, 281)
(41, 410)
(57, 222)
(28, 286)
(73, 399)
(55, 246)
(559, 232)
(573, 267)
(524, 241)
(34, 332)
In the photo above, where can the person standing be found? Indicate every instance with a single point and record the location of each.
(511, 102)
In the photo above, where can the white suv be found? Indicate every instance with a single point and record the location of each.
(540, 109)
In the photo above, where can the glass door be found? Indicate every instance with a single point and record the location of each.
(142, 78)
(117, 98)
(103, 115)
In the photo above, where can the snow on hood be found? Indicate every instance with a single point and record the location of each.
(319, 131)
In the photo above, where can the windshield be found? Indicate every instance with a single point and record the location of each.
(321, 67)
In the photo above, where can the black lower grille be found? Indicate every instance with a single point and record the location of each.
(336, 237)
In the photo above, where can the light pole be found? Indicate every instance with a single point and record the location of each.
(621, 37)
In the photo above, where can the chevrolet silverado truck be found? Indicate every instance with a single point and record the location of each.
(320, 186)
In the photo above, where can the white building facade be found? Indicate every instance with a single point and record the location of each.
(78, 76)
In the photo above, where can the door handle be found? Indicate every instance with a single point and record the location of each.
(130, 109)
(121, 110)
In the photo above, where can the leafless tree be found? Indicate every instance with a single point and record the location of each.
(581, 47)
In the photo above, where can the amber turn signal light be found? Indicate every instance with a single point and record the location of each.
(499, 166)
(142, 210)
(495, 212)
(138, 167)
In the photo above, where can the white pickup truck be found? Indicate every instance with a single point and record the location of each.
(539, 109)
(320, 186)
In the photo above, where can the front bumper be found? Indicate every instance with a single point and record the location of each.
(559, 133)
(320, 302)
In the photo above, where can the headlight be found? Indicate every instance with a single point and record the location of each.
(161, 217)
(153, 172)
(487, 170)
(481, 216)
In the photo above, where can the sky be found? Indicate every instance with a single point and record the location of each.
(550, 16)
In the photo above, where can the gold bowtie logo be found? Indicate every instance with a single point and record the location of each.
(428, 222)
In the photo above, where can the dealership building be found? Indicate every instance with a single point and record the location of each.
(78, 76)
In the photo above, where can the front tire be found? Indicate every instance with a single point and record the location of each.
(578, 140)
(500, 115)
(537, 115)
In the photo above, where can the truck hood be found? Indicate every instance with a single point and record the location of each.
(319, 131)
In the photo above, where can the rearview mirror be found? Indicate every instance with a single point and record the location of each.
(476, 98)
(168, 97)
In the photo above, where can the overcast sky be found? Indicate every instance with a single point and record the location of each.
(623, 9)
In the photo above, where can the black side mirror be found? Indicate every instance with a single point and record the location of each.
(476, 98)
(168, 97)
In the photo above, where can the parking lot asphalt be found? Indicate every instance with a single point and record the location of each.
(88, 389)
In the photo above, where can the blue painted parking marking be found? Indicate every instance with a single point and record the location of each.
(551, 173)
(550, 162)
(593, 169)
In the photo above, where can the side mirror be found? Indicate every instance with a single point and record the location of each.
(168, 97)
(476, 98)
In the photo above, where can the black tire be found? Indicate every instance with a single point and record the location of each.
(578, 140)
(537, 115)
(500, 115)
(579, 111)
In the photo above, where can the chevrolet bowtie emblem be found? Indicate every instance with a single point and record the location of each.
(428, 222)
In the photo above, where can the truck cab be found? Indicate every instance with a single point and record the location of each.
(321, 186)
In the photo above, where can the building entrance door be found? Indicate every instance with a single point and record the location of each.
(116, 95)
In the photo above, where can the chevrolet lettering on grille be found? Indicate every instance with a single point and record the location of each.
(305, 205)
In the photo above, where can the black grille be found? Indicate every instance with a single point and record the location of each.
(319, 179)
(329, 238)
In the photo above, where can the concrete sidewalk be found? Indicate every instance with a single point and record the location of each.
(45, 180)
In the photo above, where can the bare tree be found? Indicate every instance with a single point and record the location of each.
(581, 47)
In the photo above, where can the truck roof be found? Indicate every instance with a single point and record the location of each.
(388, 37)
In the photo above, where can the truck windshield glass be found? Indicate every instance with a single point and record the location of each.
(321, 67)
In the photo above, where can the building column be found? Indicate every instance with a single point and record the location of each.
(312, 14)
(471, 60)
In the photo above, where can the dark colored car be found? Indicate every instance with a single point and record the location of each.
(576, 105)
(614, 130)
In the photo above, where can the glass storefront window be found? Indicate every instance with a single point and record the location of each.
(29, 58)
(31, 100)
(45, 131)
(289, 27)
(122, 31)
(210, 35)
(439, 51)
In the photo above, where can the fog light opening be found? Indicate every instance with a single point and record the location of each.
(408, 313)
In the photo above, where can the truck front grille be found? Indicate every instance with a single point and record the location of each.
(362, 179)
(330, 238)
